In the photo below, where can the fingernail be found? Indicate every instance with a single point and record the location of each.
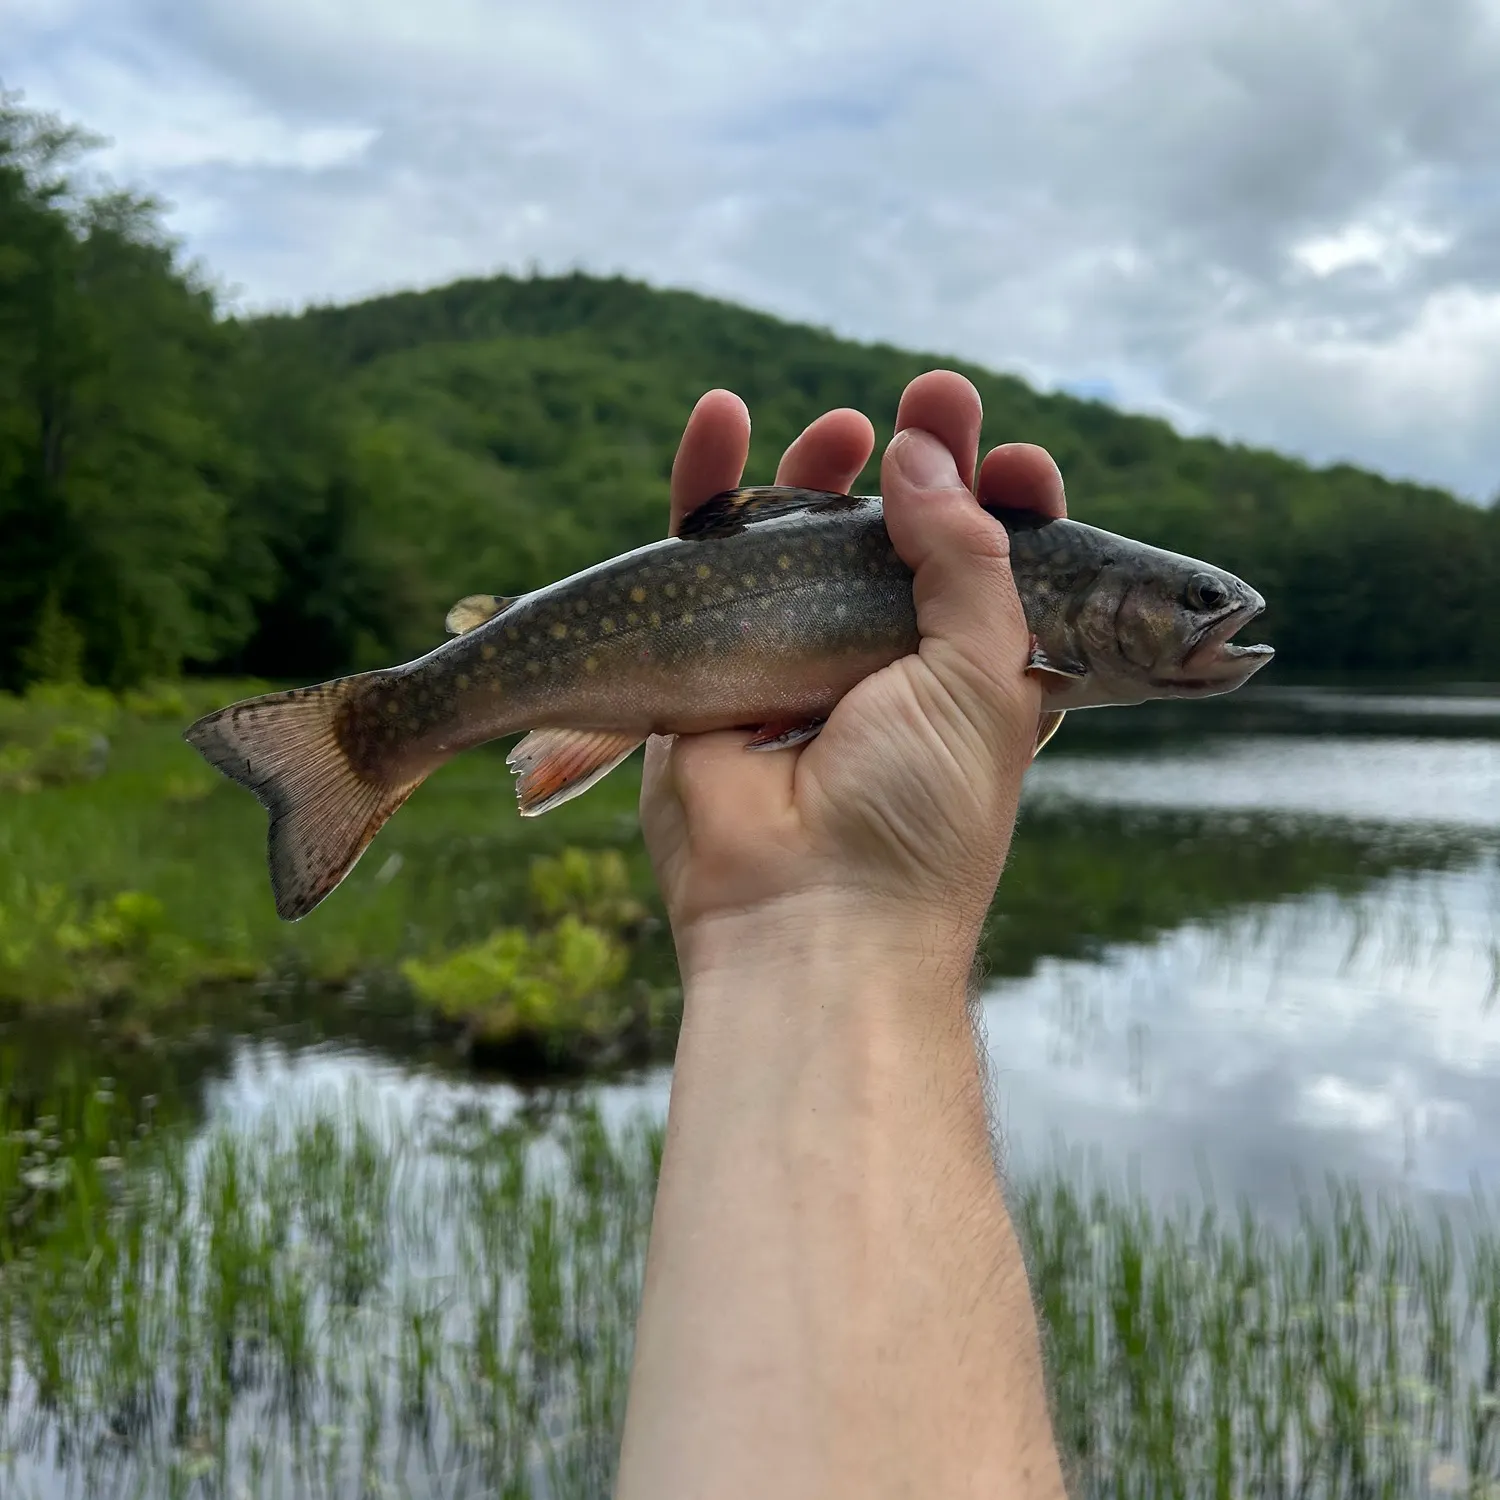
(924, 462)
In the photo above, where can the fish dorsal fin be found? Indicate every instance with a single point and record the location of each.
(473, 610)
(734, 510)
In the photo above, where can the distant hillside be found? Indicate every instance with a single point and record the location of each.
(298, 496)
(574, 389)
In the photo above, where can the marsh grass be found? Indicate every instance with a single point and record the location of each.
(1358, 1354)
(334, 1305)
(356, 1303)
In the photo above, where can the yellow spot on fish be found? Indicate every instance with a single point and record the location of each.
(671, 590)
(654, 618)
(511, 633)
(559, 631)
(591, 664)
(638, 594)
(533, 666)
(462, 680)
(632, 618)
(582, 607)
(487, 652)
(748, 580)
(393, 708)
(783, 562)
(704, 570)
(607, 625)
(687, 617)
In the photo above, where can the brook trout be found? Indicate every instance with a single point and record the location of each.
(768, 607)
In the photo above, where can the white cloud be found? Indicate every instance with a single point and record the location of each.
(1281, 223)
(1387, 248)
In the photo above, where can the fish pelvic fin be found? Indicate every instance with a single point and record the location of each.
(553, 766)
(289, 749)
(1046, 727)
(781, 734)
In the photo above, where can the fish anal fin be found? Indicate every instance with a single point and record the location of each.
(473, 610)
(1047, 727)
(287, 748)
(554, 765)
(780, 734)
(733, 510)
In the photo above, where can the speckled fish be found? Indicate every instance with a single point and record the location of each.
(767, 608)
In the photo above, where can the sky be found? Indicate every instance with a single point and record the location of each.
(1277, 222)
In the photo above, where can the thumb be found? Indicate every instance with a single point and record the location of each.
(974, 633)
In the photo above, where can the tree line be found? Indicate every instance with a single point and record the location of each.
(296, 496)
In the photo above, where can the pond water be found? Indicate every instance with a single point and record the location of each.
(1270, 952)
(1319, 991)
(1351, 1027)
(1352, 1030)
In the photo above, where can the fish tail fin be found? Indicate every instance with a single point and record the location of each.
(292, 750)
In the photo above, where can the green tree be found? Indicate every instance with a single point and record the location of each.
(112, 486)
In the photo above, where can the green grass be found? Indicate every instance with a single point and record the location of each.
(122, 892)
(451, 866)
(344, 1304)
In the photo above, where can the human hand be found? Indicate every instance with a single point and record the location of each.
(898, 816)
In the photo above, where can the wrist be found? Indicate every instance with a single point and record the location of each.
(843, 940)
(810, 1016)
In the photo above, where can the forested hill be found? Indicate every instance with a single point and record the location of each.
(297, 496)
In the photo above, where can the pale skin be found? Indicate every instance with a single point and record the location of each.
(835, 1300)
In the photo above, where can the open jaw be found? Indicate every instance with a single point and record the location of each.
(1213, 659)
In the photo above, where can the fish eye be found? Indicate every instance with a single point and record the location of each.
(1206, 592)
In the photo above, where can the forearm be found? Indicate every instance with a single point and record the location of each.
(835, 1299)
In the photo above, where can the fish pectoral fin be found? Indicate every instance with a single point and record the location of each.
(473, 610)
(1051, 666)
(780, 734)
(1046, 728)
(554, 765)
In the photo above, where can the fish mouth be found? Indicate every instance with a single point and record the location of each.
(1213, 659)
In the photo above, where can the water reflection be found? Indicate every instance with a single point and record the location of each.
(1458, 704)
(1328, 1034)
(1353, 1029)
(1356, 1036)
(1382, 779)
(1353, 1035)
(266, 1079)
